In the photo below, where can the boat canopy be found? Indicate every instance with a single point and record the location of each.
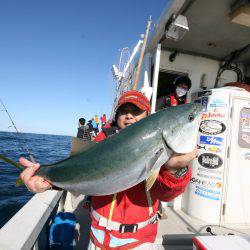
(214, 30)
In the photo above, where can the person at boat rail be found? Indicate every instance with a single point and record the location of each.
(128, 219)
(95, 126)
(91, 129)
(97, 121)
(181, 86)
(103, 119)
(83, 130)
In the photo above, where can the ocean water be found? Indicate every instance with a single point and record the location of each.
(45, 149)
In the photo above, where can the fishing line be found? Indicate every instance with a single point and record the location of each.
(25, 147)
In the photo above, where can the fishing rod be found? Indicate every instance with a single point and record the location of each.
(25, 147)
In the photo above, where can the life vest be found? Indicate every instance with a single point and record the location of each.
(174, 101)
(110, 225)
(107, 240)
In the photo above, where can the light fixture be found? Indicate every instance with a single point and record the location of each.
(177, 28)
(241, 13)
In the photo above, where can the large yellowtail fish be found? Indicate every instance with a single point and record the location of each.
(129, 157)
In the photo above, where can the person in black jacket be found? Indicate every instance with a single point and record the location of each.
(83, 130)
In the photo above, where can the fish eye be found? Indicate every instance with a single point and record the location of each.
(191, 117)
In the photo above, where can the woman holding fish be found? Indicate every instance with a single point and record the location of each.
(127, 219)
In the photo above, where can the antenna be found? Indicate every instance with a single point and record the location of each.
(122, 74)
(25, 148)
(126, 69)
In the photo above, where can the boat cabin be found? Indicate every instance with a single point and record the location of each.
(208, 41)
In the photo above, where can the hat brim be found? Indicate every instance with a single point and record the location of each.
(137, 104)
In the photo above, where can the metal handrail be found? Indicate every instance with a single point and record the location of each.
(22, 231)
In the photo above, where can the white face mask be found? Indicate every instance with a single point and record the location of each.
(180, 91)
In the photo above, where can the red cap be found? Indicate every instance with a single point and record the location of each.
(136, 98)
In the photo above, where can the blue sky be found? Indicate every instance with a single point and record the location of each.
(56, 57)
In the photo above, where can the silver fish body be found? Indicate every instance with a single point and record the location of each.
(129, 157)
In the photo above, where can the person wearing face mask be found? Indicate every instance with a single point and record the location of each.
(181, 86)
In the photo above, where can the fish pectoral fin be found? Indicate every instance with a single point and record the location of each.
(78, 146)
(153, 161)
(151, 179)
(153, 167)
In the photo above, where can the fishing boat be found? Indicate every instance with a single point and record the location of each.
(208, 41)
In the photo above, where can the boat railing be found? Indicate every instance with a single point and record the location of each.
(23, 230)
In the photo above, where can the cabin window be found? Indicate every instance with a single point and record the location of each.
(165, 86)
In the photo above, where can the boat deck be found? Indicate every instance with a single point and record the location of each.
(175, 232)
(30, 232)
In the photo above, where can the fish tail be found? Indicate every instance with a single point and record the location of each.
(11, 162)
(19, 182)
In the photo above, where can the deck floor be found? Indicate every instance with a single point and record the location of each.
(177, 229)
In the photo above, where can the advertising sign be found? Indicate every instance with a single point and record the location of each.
(209, 160)
(207, 189)
(244, 128)
(211, 140)
(212, 127)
